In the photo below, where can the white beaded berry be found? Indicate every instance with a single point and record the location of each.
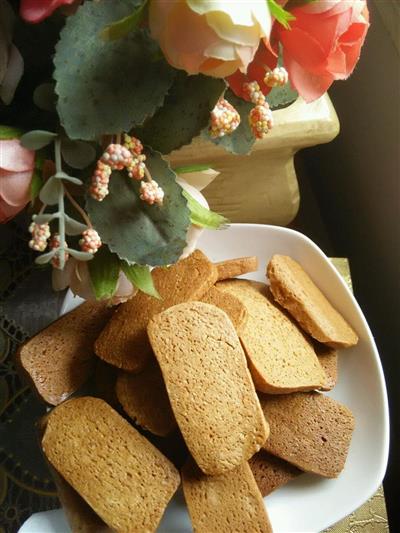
(224, 119)
(133, 145)
(90, 241)
(260, 120)
(55, 243)
(151, 192)
(137, 167)
(116, 156)
(253, 92)
(100, 180)
(40, 234)
(277, 77)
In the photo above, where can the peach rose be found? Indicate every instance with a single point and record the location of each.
(215, 38)
(16, 169)
(323, 43)
(35, 11)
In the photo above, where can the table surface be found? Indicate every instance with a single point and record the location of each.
(27, 304)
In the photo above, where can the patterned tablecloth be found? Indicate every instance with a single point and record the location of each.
(28, 304)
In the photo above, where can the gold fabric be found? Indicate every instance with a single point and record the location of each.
(370, 517)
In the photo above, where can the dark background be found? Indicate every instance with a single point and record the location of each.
(350, 201)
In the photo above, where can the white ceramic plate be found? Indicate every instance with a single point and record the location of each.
(308, 504)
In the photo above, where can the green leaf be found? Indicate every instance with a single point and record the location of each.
(242, 139)
(46, 218)
(192, 168)
(73, 227)
(185, 113)
(64, 176)
(280, 97)
(6, 133)
(106, 87)
(50, 191)
(138, 232)
(34, 140)
(203, 217)
(280, 14)
(44, 97)
(77, 154)
(45, 258)
(81, 256)
(36, 184)
(122, 27)
(104, 272)
(141, 278)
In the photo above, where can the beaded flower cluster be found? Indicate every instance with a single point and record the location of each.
(129, 156)
(260, 117)
(224, 119)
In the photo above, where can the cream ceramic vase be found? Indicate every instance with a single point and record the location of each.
(262, 187)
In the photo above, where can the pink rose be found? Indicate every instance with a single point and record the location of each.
(16, 168)
(323, 44)
(214, 38)
(37, 10)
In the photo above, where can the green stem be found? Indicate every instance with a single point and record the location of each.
(61, 219)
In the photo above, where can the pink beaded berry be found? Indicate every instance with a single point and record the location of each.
(116, 156)
(136, 169)
(151, 192)
(224, 119)
(277, 77)
(100, 180)
(55, 243)
(90, 241)
(260, 120)
(40, 234)
(133, 145)
(253, 93)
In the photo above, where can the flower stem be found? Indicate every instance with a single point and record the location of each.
(77, 207)
(147, 174)
(61, 219)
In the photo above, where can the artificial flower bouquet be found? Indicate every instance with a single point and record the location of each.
(95, 95)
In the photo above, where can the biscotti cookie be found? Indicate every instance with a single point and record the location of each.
(281, 359)
(60, 358)
(228, 303)
(296, 292)
(310, 430)
(80, 516)
(123, 477)
(328, 358)
(224, 503)
(271, 472)
(144, 398)
(124, 342)
(231, 268)
(208, 384)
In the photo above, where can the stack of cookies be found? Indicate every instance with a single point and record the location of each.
(216, 385)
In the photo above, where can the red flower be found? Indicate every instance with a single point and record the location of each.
(323, 44)
(264, 58)
(37, 10)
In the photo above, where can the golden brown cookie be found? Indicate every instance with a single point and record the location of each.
(123, 477)
(328, 358)
(144, 398)
(60, 358)
(228, 303)
(296, 292)
(281, 359)
(208, 384)
(124, 342)
(231, 268)
(224, 503)
(309, 430)
(270, 472)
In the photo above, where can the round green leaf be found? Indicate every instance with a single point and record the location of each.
(73, 227)
(44, 97)
(77, 154)
(185, 113)
(106, 87)
(138, 232)
(34, 140)
(50, 191)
